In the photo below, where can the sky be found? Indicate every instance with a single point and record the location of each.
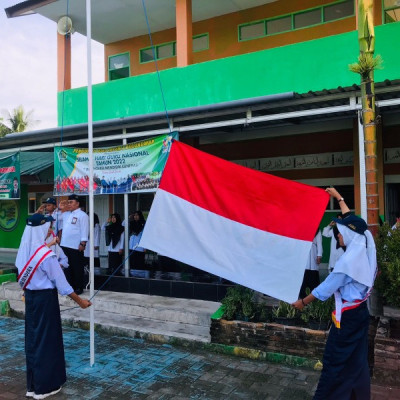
(28, 65)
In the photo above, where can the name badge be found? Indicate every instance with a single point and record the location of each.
(74, 220)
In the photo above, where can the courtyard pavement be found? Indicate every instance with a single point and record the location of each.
(128, 368)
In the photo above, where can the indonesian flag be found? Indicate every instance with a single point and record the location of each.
(246, 226)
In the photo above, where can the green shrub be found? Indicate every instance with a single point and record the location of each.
(284, 310)
(320, 311)
(239, 304)
(388, 256)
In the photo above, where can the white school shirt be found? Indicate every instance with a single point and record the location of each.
(57, 224)
(335, 253)
(316, 251)
(120, 244)
(75, 228)
(96, 242)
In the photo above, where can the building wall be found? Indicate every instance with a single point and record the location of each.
(10, 239)
(223, 35)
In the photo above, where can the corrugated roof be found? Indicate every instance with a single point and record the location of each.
(33, 162)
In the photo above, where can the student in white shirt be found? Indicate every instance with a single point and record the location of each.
(41, 278)
(73, 242)
(96, 243)
(114, 240)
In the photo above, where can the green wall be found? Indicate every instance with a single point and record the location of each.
(11, 239)
(313, 65)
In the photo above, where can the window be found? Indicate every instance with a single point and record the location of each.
(391, 9)
(166, 50)
(318, 15)
(118, 66)
(146, 55)
(339, 10)
(200, 42)
(34, 202)
(279, 25)
(252, 31)
(307, 18)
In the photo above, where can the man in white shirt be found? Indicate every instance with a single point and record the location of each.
(73, 242)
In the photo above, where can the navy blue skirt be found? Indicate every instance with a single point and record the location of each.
(44, 347)
(345, 373)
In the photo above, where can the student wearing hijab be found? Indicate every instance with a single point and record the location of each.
(114, 240)
(331, 232)
(41, 277)
(345, 373)
(137, 254)
(311, 273)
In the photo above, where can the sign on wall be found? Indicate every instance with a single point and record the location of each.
(10, 177)
(9, 215)
(305, 161)
(133, 168)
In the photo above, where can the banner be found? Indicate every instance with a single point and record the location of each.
(133, 168)
(10, 177)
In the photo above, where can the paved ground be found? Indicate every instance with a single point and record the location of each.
(129, 368)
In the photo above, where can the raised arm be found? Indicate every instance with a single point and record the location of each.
(336, 195)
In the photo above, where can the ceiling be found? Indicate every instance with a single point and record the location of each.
(114, 20)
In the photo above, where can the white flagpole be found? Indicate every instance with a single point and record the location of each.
(90, 145)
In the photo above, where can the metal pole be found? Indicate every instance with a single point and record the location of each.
(90, 146)
(361, 150)
(126, 217)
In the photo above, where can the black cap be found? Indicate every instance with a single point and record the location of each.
(354, 223)
(38, 219)
(74, 197)
(50, 200)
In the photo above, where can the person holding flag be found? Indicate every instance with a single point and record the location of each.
(345, 372)
(41, 277)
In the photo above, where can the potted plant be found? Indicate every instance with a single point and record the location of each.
(285, 314)
(388, 256)
(318, 314)
(239, 304)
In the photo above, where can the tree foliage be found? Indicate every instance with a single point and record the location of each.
(18, 120)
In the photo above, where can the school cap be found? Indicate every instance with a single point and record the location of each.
(74, 197)
(50, 200)
(354, 223)
(38, 219)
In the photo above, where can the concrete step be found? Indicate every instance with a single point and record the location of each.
(153, 317)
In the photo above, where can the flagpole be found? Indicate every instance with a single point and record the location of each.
(90, 148)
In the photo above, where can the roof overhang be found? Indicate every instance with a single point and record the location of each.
(115, 20)
(265, 113)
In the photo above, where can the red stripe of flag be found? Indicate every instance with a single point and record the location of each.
(250, 197)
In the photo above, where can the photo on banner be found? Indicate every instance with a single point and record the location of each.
(10, 177)
(133, 168)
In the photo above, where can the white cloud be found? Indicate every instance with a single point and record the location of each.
(28, 65)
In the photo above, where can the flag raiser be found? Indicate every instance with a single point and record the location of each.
(246, 226)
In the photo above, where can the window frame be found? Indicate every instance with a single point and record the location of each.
(201, 35)
(292, 15)
(116, 69)
(388, 9)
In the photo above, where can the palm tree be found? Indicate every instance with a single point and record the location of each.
(18, 120)
(365, 67)
(4, 130)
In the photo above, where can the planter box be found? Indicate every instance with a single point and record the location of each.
(270, 337)
(387, 352)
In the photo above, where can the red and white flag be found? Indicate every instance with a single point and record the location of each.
(246, 226)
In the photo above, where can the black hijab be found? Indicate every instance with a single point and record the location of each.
(115, 229)
(136, 227)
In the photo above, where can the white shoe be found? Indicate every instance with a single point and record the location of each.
(43, 396)
(29, 394)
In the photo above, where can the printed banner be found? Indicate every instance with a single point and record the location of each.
(10, 177)
(133, 168)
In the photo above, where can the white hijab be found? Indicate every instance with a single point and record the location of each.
(359, 259)
(32, 238)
